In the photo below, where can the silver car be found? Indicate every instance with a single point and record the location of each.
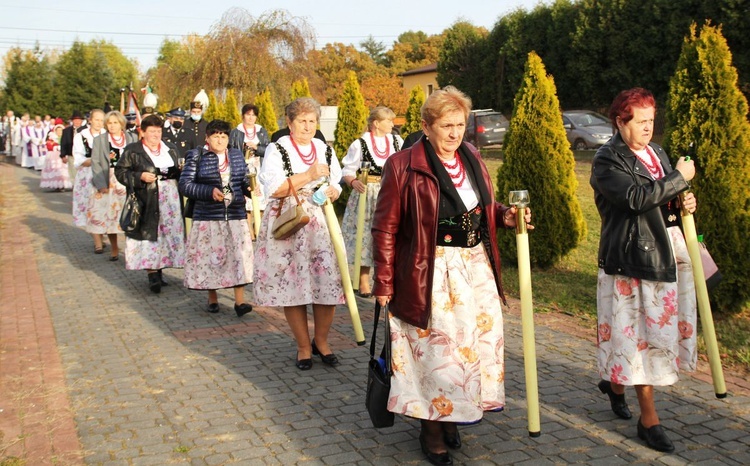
(586, 129)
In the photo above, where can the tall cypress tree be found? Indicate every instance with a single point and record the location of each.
(214, 110)
(266, 113)
(231, 111)
(414, 111)
(300, 89)
(706, 107)
(537, 157)
(352, 116)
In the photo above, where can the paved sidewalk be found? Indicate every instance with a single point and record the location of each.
(95, 369)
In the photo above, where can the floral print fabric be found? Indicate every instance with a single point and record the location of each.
(349, 224)
(647, 329)
(219, 255)
(104, 209)
(169, 248)
(55, 173)
(82, 187)
(454, 370)
(301, 269)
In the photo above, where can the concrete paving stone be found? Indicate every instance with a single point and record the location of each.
(112, 462)
(218, 459)
(511, 457)
(342, 458)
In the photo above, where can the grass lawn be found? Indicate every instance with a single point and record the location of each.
(570, 286)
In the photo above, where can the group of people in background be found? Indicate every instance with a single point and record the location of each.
(431, 226)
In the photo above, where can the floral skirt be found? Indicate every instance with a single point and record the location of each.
(219, 255)
(55, 173)
(169, 248)
(104, 209)
(349, 224)
(82, 188)
(298, 270)
(454, 370)
(647, 329)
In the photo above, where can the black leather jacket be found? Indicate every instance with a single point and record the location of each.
(634, 239)
(133, 162)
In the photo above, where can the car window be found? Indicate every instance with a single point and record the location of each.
(492, 119)
(588, 119)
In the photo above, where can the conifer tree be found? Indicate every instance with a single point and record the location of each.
(537, 157)
(352, 116)
(231, 111)
(705, 107)
(266, 113)
(213, 112)
(300, 89)
(414, 111)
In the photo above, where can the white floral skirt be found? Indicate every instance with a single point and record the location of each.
(349, 224)
(104, 209)
(301, 269)
(169, 248)
(55, 173)
(219, 255)
(454, 371)
(647, 329)
(82, 188)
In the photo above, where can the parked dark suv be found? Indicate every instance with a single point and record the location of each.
(486, 127)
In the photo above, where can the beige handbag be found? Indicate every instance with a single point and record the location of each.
(292, 220)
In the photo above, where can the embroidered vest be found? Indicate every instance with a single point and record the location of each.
(288, 163)
(375, 169)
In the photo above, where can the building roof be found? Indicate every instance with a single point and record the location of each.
(422, 69)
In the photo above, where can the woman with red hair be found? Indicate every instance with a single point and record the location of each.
(646, 301)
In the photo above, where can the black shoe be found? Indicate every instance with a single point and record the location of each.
(619, 406)
(114, 258)
(213, 308)
(154, 283)
(452, 440)
(329, 359)
(161, 279)
(364, 295)
(438, 459)
(242, 309)
(655, 437)
(304, 364)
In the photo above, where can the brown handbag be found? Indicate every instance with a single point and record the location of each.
(292, 220)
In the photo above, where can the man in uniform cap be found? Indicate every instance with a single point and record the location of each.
(130, 125)
(176, 133)
(195, 126)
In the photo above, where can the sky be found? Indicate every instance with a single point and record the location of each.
(138, 27)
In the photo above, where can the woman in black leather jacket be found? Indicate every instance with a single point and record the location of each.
(219, 250)
(646, 301)
(149, 167)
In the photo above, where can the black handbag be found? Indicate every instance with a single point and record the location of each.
(379, 376)
(130, 217)
(189, 201)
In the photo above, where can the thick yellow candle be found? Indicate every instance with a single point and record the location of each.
(338, 246)
(704, 306)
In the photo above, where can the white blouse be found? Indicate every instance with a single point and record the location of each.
(79, 149)
(353, 158)
(272, 174)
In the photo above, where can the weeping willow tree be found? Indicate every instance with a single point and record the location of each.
(249, 54)
(242, 52)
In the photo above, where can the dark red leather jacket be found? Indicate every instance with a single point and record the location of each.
(404, 230)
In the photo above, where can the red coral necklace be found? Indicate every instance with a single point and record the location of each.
(308, 159)
(456, 171)
(250, 137)
(377, 152)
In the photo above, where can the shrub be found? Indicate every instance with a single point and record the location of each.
(706, 107)
(537, 157)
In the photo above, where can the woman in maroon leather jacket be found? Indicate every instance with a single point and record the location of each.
(437, 263)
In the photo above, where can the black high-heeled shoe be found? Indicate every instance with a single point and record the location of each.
(303, 364)
(154, 284)
(655, 437)
(438, 459)
(619, 406)
(329, 359)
